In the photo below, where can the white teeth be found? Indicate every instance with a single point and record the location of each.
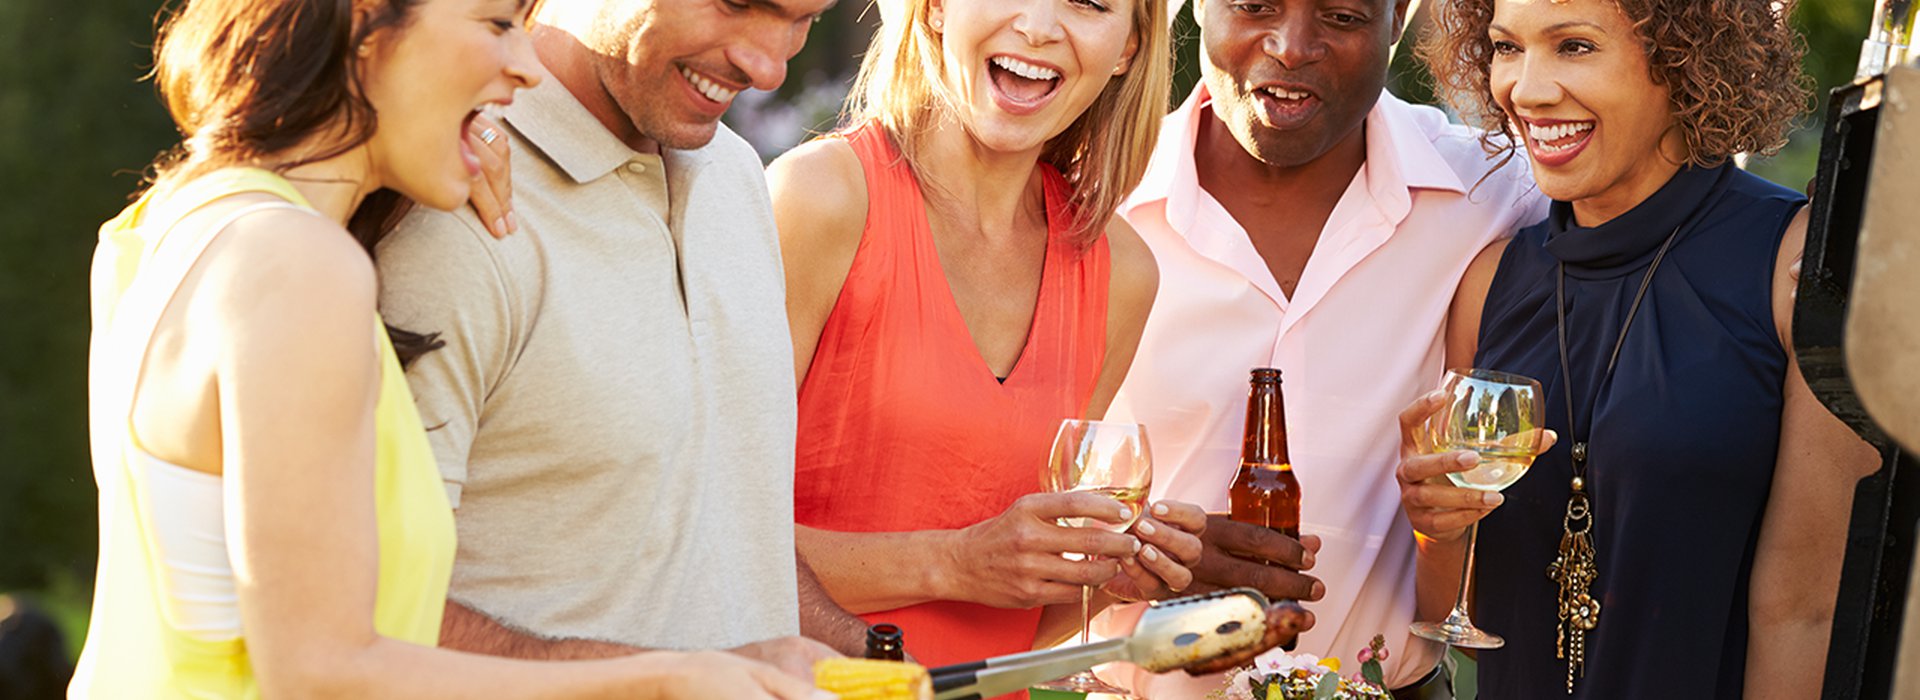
(707, 87)
(1543, 134)
(1025, 69)
(1288, 94)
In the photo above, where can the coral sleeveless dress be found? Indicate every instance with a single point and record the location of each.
(902, 424)
(136, 648)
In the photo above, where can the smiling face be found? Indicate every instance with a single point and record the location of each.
(1024, 70)
(1293, 78)
(427, 77)
(674, 66)
(1573, 77)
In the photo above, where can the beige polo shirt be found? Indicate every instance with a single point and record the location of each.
(613, 412)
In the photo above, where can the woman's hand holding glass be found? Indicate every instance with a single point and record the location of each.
(1437, 507)
(1170, 546)
(1488, 426)
(1015, 559)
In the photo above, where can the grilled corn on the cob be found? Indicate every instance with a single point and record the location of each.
(866, 679)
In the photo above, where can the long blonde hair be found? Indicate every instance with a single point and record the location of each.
(1103, 154)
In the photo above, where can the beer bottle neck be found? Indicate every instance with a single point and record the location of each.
(1266, 434)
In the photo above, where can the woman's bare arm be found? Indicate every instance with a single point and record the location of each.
(1796, 571)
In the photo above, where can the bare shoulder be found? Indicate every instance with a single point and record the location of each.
(1485, 264)
(819, 191)
(1469, 299)
(1135, 275)
(284, 264)
(1472, 292)
(820, 206)
(1793, 246)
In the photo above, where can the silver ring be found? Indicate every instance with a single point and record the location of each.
(488, 136)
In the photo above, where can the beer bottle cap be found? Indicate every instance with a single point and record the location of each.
(884, 641)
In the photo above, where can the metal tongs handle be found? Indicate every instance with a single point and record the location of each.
(1169, 634)
(1006, 674)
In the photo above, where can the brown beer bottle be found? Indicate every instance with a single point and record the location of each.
(1264, 492)
(886, 642)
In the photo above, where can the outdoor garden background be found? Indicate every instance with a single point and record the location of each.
(77, 126)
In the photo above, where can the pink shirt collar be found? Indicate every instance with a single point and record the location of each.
(1400, 158)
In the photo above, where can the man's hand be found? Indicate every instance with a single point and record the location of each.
(1285, 621)
(492, 191)
(712, 674)
(1233, 554)
(794, 655)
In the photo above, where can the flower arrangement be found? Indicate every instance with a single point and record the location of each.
(1278, 675)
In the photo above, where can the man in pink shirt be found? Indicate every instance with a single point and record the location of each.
(1305, 219)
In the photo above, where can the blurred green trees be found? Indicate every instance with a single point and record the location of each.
(77, 125)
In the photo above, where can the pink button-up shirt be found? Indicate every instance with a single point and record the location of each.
(1360, 339)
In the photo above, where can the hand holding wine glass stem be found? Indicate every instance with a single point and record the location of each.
(1014, 560)
(1170, 546)
(1438, 509)
(1483, 426)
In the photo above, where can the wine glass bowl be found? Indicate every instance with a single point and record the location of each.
(1111, 459)
(1495, 415)
(1106, 458)
(1499, 417)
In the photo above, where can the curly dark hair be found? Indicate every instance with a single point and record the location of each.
(1733, 67)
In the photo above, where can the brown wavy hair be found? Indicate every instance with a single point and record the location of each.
(251, 83)
(1732, 68)
(247, 82)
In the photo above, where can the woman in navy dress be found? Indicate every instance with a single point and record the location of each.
(1654, 305)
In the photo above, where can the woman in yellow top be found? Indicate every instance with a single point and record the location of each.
(272, 522)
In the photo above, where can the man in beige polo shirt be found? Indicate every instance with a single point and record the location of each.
(613, 408)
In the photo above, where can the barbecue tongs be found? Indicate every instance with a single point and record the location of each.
(1171, 634)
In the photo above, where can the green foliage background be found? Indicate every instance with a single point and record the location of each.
(76, 127)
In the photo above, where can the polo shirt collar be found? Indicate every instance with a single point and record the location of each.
(555, 122)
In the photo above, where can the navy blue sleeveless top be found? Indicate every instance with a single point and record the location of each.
(1681, 447)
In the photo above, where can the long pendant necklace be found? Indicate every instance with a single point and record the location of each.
(1575, 569)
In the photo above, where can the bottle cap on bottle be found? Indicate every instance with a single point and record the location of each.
(885, 641)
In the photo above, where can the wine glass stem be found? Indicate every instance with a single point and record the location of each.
(1466, 571)
(1086, 620)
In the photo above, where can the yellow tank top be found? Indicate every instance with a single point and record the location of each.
(133, 650)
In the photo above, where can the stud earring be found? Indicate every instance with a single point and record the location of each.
(937, 24)
(363, 50)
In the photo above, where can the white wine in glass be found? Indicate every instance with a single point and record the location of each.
(1499, 417)
(1111, 459)
(1133, 497)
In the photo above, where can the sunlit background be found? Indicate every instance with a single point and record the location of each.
(77, 126)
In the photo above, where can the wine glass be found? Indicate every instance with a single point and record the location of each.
(1110, 459)
(1498, 416)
